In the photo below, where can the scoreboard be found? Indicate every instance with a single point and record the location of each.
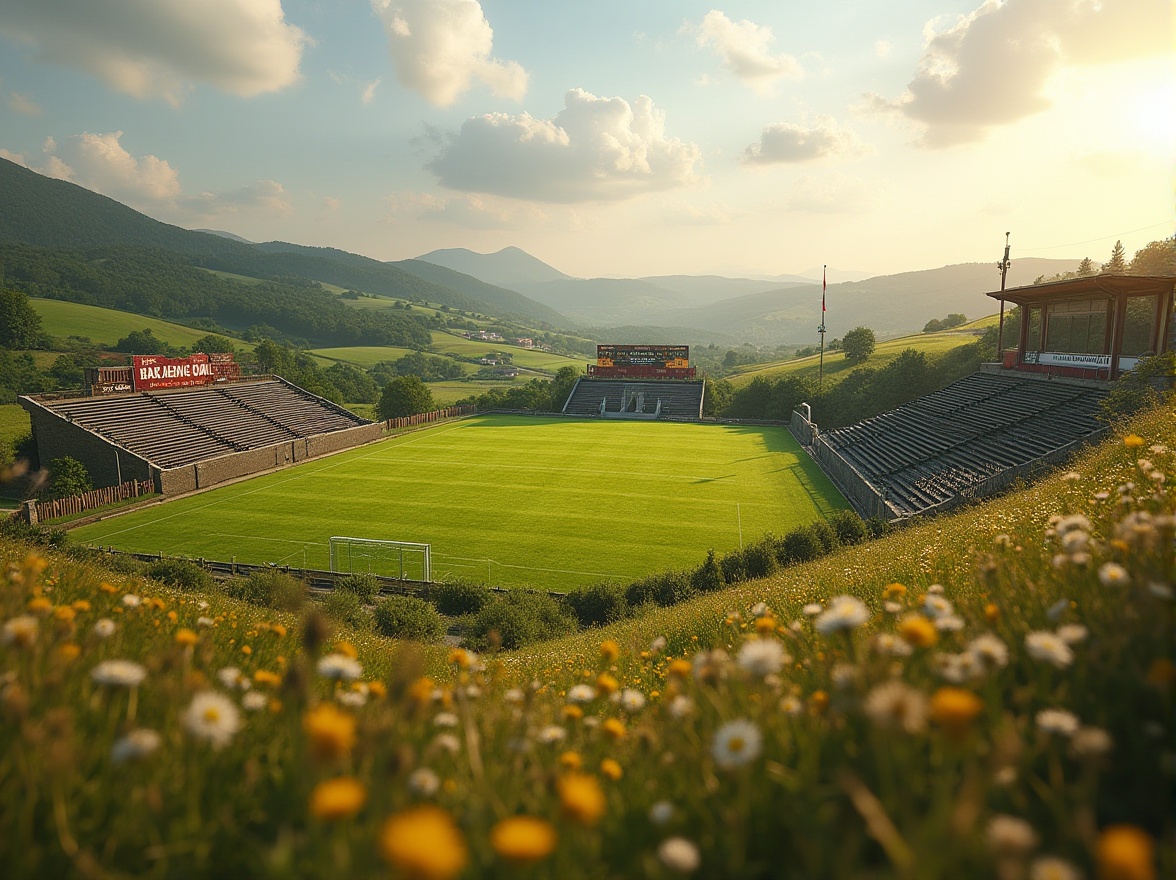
(662, 356)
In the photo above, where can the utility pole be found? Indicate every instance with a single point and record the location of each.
(821, 330)
(1003, 265)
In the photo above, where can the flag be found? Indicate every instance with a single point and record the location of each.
(824, 284)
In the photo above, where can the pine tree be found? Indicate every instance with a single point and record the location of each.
(1086, 267)
(1117, 264)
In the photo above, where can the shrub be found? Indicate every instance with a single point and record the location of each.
(598, 604)
(759, 559)
(519, 618)
(269, 588)
(181, 574)
(67, 477)
(799, 545)
(346, 607)
(876, 527)
(640, 592)
(364, 587)
(850, 527)
(460, 597)
(407, 617)
(708, 577)
(35, 536)
(825, 535)
(733, 568)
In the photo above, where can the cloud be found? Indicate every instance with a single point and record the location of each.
(159, 48)
(369, 91)
(23, 104)
(788, 142)
(100, 162)
(833, 193)
(595, 149)
(440, 47)
(470, 211)
(883, 48)
(743, 48)
(267, 196)
(992, 66)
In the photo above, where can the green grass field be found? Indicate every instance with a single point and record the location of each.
(837, 367)
(449, 393)
(108, 326)
(521, 501)
(366, 356)
(534, 359)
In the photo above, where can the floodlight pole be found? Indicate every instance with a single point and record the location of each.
(821, 330)
(1003, 265)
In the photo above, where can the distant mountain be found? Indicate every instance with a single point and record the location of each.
(505, 268)
(496, 300)
(45, 212)
(230, 236)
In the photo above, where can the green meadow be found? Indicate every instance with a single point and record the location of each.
(507, 500)
(108, 326)
(533, 359)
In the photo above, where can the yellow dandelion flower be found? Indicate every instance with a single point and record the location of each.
(347, 650)
(265, 677)
(991, 613)
(581, 798)
(422, 689)
(679, 668)
(81, 605)
(1125, 852)
(523, 839)
(277, 629)
(918, 631)
(157, 603)
(377, 689)
(606, 684)
(425, 843)
(611, 769)
(246, 650)
(64, 613)
(40, 605)
(954, 709)
(765, 625)
(331, 731)
(573, 713)
(614, 727)
(337, 799)
(1133, 441)
(819, 701)
(571, 760)
(107, 588)
(893, 591)
(460, 657)
(186, 637)
(172, 616)
(69, 651)
(609, 650)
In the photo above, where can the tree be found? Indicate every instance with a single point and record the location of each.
(214, 342)
(1157, 258)
(404, 396)
(142, 342)
(858, 344)
(67, 477)
(1086, 267)
(933, 326)
(20, 325)
(562, 385)
(1117, 264)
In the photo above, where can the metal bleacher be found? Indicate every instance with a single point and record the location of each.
(678, 399)
(180, 427)
(936, 447)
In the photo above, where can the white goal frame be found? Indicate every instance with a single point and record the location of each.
(341, 557)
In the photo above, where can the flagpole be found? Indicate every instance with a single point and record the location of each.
(821, 330)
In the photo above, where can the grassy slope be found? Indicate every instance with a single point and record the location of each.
(14, 423)
(366, 356)
(107, 326)
(836, 366)
(552, 503)
(520, 357)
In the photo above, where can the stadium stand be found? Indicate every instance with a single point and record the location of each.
(193, 437)
(970, 438)
(677, 399)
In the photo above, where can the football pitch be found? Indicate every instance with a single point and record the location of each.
(508, 500)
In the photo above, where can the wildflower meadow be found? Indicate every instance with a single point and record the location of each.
(982, 695)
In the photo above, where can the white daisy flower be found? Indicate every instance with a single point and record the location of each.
(232, 677)
(935, 590)
(20, 631)
(447, 742)
(1057, 721)
(990, 651)
(1091, 742)
(352, 699)
(791, 705)
(1072, 522)
(339, 667)
(423, 782)
(515, 696)
(118, 673)
(812, 609)
(680, 706)
(1053, 868)
(895, 704)
(254, 701)
(130, 600)
(1008, 835)
(935, 606)
(657, 645)
(762, 657)
(736, 743)
(1111, 574)
(632, 700)
(679, 854)
(135, 746)
(552, 733)
(581, 693)
(1072, 633)
(103, 628)
(844, 613)
(949, 623)
(445, 719)
(212, 717)
(1047, 647)
(206, 622)
(890, 645)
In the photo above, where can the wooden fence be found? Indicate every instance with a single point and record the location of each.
(450, 412)
(89, 500)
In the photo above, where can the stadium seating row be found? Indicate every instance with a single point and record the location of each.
(679, 400)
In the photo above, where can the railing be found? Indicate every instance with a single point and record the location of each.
(450, 412)
(43, 510)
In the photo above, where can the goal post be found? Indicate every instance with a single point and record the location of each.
(375, 556)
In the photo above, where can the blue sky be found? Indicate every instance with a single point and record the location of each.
(612, 138)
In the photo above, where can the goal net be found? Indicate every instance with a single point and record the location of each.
(399, 559)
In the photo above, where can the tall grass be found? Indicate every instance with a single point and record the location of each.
(988, 694)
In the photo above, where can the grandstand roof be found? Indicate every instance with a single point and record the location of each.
(1111, 285)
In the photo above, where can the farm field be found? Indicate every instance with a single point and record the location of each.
(521, 357)
(509, 500)
(108, 326)
(447, 393)
(366, 356)
(837, 367)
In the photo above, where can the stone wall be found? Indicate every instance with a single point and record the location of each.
(107, 463)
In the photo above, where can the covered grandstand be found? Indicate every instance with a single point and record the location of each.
(639, 382)
(190, 438)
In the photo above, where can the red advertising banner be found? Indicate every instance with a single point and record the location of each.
(152, 371)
